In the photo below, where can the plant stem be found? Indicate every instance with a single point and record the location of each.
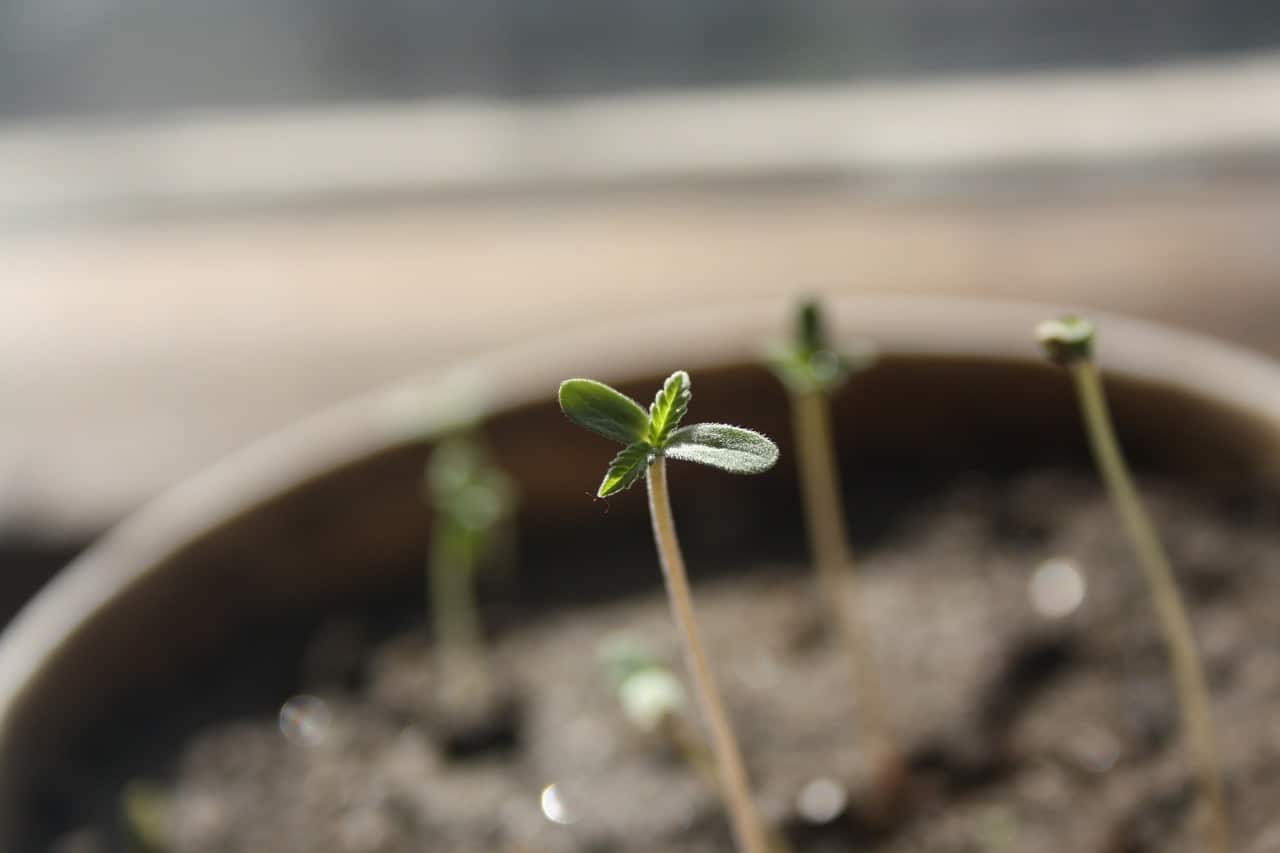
(693, 750)
(451, 575)
(829, 543)
(459, 643)
(1193, 692)
(748, 830)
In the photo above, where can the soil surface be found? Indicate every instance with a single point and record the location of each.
(1017, 649)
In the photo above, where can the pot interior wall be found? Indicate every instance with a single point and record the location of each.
(343, 538)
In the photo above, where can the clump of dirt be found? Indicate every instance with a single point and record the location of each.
(1017, 648)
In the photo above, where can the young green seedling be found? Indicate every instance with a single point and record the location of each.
(1069, 342)
(653, 700)
(650, 438)
(473, 502)
(812, 370)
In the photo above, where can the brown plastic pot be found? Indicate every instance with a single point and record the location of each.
(328, 512)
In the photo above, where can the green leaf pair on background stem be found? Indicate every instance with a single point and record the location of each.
(648, 435)
(808, 363)
(473, 504)
(812, 369)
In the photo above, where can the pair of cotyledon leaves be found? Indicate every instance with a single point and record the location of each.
(648, 435)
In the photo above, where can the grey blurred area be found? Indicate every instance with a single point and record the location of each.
(220, 217)
(127, 57)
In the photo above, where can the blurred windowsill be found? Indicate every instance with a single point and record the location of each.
(1087, 119)
(131, 357)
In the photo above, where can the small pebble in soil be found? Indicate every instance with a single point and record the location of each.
(203, 817)
(365, 830)
(759, 674)
(1057, 588)
(822, 800)
(1095, 750)
(305, 720)
(554, 807)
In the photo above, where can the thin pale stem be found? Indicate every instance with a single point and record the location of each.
(459, 642)
(748, 830)
(1193, 692)
(829, 542)
(691, 748)
(453, 601)
(695, 753)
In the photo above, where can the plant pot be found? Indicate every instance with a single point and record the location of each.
(328, 514)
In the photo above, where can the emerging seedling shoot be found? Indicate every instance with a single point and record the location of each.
(653, 700)
(811, 369)
(473, 502)
(1069, 342)
(650, 438)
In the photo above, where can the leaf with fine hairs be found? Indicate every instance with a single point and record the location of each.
(730, 448)
(669, 406)
(627, 467)
(599, 408)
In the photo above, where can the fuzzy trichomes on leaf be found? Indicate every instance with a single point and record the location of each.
(657, 432)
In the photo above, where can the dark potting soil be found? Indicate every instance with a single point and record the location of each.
(1017, 649)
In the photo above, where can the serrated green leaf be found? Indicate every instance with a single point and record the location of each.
(669, 406)
(599, 408)
(627, 467)
(730, 448)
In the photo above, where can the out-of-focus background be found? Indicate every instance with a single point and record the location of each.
(216, 218)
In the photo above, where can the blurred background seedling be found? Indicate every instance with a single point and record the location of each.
(812, 369)
(473, 504)
(1069, 342)
(653, 699)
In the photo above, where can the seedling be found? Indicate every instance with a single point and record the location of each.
(653, 700)
(811, 369)
(1069, 342)
(650, 438)
(473, 502)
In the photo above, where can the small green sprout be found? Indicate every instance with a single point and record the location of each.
(653, 699)
(1069, 342)
(811, 369)
(651, 695)
(473, 502)
(650, 438)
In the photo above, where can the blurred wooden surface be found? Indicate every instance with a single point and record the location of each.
(133, 355)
